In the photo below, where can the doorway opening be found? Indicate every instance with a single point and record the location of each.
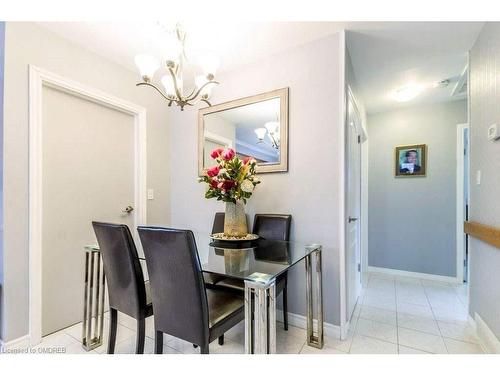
(405, 229)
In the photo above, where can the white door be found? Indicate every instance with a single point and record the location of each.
(88, 174)
(353, 256)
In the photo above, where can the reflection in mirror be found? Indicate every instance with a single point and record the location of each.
(254, 127)
(252, 130)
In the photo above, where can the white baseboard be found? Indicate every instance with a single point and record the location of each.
(300, 321)
(487, 338)
(19, 343)
(417, 275)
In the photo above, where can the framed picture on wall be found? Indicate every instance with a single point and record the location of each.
(411, 160)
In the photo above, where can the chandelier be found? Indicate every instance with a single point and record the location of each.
(175, 61)
(272, 129)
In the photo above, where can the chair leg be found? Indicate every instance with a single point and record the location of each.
(221, 340)
(204, 349)
(158, 342)
(285, 305)
(113, 323)
(141, 333)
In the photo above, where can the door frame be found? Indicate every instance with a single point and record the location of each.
(459, 200)
(39, 78)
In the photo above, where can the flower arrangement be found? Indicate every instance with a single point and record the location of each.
(232, 179)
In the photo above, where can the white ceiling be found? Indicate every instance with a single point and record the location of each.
(391, 55)
(385, 55)
(235, 43)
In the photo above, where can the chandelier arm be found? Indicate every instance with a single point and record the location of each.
(275, 144)
(206, 101)
(176, 88)
(192, 97)
(191, 93)
(156, 88)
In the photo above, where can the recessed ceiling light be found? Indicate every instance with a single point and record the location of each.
(407, 93)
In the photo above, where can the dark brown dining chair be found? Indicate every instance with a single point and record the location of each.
(218, 225)
(128, 293)
(184, 307)
(269, 227)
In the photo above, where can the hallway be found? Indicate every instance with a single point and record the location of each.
(408, 315)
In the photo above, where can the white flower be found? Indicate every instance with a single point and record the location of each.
(256, 179)
(247, 186)
(222, 171)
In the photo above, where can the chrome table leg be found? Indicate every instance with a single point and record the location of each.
(93, 305)
(314, 339)
(260, 332)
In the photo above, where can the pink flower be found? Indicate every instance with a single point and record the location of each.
(228, 184)
(228, 154)
(216, 153)
(247, 159)
(214, 171)
(213, 184)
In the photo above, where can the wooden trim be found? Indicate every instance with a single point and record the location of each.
(485, 233)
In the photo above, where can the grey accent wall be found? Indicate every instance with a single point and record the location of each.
(412, 221)
(29, 43)
(309, 191)
(485, 156)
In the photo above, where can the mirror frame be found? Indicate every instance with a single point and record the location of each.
(282, 94)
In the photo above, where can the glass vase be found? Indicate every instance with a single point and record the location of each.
(235, 221)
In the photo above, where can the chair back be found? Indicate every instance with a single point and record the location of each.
(218, 226)
(272, 227)
(177, 287)
(127, 292)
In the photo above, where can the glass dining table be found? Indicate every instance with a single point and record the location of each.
(258, 264)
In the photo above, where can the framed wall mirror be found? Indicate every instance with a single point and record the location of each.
(256, 126)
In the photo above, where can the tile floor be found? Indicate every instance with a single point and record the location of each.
(395, 315)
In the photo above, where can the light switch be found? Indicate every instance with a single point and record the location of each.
(151, 194)
(478, 178)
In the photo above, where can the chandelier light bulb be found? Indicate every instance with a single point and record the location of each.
(260, 132)
(172, 50)
(147, 65)
(200, 81)
(168, 83)
(209, 64)
(272, 127)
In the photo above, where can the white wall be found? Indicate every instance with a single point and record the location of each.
(485, 156)
(412, 220)
(28, 43)
(2, 45)
(310, 190)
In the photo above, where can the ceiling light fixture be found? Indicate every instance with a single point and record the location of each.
(272, 129)
(174, 59)
(407, 93)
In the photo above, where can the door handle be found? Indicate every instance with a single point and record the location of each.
(351, 219)
(128, 209)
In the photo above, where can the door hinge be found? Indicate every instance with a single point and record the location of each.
(359, 267)
(359, 139)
